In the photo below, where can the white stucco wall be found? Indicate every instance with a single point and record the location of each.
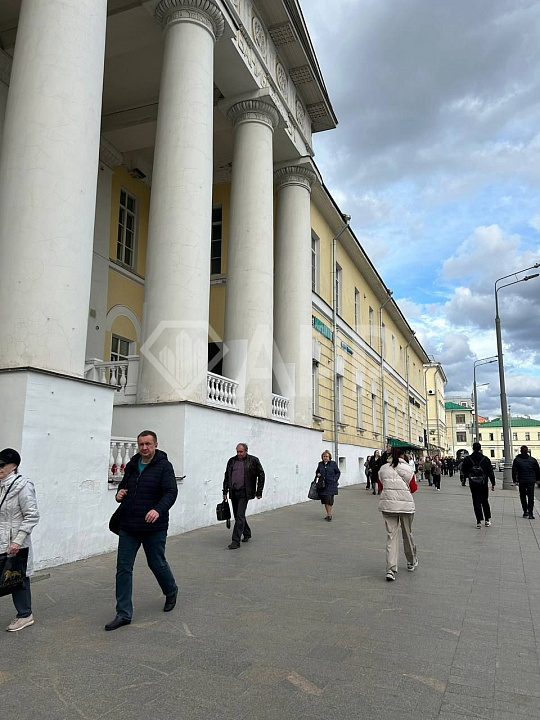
(200, 440)
(61, 427)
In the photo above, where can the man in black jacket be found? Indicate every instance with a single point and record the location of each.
(244, 480)
(526, 472)
(479, 470)
(147, 492)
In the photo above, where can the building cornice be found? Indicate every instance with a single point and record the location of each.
(109, 155)
(204, 12)
(254, 111)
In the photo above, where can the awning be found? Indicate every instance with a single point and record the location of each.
(394, 442)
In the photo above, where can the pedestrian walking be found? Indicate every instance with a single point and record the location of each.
(146, 493)
(427, 471)
(367, 471)
(374, 465)
(397, 507)
(328, 472)
(479, 471)
(525, 473)
(244, 481)
(436, 472)
(18, 517)
(451, 464)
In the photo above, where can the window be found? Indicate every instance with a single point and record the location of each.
(374, 411)
(339, 290)
(356, 309)
(491, 436)
(315, 387)
(340, 414)
(528, 436)
(359, 421)
(539, 436)
(401, 358)
(461, 437)
(479, 436)
(393, 351)
(119, 348)
(215, 358)
(396, 428)
(492, 453)
(514, 436)
(502, 436)
(460, 419)
(217, 231)
(315, 262)
(127, 216)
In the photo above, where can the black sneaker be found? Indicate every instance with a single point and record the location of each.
(233, 546)
(246, 539)
(526, 515)
(531, 516)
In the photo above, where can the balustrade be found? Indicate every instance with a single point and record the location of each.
(122, 450)
(221, 391)
(280, 407)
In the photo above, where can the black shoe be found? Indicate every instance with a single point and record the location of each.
(246, 539)
(328, 518)
(118, 622)
(170, 602)
(374, 493)
(531, 516)
(526, 514)
(233, 546)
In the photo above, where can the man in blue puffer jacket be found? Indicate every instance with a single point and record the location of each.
(147, 492)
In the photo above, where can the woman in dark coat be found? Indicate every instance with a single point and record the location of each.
(374, 464)
(328, 471)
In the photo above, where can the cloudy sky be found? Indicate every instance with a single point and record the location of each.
(437, 159)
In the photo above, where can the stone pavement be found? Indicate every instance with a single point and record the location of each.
(298, 623)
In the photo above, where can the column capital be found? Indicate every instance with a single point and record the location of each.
(204, 12)
(295, 175)
(5, 67)
(254, 111)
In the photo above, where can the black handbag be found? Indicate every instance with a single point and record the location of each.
(114, 522)
(12, 571)
(223, 512)
(313, 493)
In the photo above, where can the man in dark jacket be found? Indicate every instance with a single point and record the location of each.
(147, 492)
(478, 469)
(526, 472)
(244, 480)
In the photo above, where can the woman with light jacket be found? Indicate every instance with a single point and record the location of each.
(397, 507)
(18, 517)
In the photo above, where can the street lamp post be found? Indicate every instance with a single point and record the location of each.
(482, 361)
(507, 475)
(408, 383)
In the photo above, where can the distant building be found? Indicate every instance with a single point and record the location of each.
(523, 431)
(436, 380)
(460, 426)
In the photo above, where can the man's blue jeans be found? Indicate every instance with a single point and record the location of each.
(154, 547)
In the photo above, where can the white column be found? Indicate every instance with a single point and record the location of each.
(174, 355)
(250, 263)
(48, 183)
(292, 292)
(5, 71)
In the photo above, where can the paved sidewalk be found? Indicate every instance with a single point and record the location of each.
(298, 623)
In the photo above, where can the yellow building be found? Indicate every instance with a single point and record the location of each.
(459, 425)
(523, 431)
(436, 380)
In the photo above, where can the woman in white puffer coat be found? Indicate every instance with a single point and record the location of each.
(397, 507)
(18, 517)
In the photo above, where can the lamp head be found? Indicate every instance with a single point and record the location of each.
(346, 218)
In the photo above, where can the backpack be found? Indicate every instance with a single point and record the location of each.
(477, 474)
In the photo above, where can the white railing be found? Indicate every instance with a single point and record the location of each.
(122, 374)
(221, 391)
(280, 407)
(122, 450)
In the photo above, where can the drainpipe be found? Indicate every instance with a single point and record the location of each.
(384, 428)
(408, 385)
(347, 220)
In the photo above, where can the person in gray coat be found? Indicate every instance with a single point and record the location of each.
(18, 517)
